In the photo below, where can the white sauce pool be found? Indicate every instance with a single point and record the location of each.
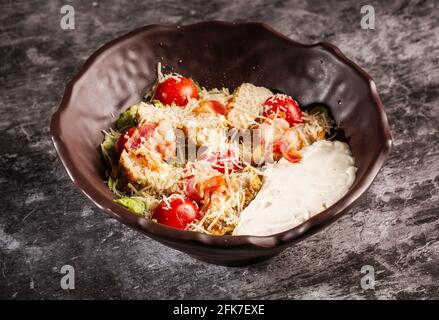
(294, 192)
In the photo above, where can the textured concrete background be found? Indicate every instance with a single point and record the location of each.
(46, 222)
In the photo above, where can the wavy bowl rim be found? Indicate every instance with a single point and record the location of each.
(159, 231)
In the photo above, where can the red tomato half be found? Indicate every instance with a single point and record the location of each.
(279, 147)
(285, 107)
(140, 135)
(190, 189)
(120, 146)
(288, 152)
(211, 106)
(176, 212)
(222, 159)
(176, 90)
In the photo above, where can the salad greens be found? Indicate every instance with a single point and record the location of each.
(136, 206)
(127, 119)
(108, 149)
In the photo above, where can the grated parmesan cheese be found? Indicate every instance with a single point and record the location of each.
(148, 176)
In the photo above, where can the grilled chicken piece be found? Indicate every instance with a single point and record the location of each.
(246, 105)
(223, 208)
(201, 129)
(147, 170)
(251, 185)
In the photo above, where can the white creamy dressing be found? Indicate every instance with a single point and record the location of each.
(294, 192)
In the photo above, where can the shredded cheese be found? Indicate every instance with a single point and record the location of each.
(148, 177)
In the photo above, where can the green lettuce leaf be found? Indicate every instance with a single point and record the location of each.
(108, 149)
(127, 119)
(319, 109)
(111, 182)
(136, 206)
(157, 103)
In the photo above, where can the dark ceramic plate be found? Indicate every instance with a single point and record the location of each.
(217, 54)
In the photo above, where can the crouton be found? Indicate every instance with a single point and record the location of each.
(252, 185)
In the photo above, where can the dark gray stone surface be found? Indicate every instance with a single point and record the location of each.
(46, 222)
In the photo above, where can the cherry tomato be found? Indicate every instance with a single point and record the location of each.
(176, 212)
(211, 106)
(222, 159)
(214, 184)
(278, 148)
(139, 136)
(202, 191)
(176, 90)
(120, 146)
(281, 148)
(190, 189)
(292, 155)
(285, 107)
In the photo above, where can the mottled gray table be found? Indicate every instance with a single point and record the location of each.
(46, 222)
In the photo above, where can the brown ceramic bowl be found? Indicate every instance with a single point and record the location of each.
(217, 54)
